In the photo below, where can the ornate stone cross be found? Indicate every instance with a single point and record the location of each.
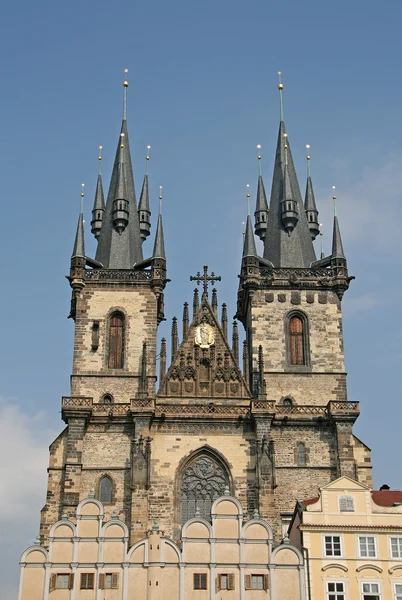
(205, 279)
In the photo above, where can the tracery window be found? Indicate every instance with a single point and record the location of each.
(116, 341)
(203, 481)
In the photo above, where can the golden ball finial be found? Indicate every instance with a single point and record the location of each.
(125, 82)
(259, 148)
(280, 84)
(148, 149)
(82, 189)
(160, 192)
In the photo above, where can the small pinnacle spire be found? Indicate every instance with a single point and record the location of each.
(261, 205)
(224, 321)
(246, 363)
(337, 247)
(79, 244)
(261, 367)
(249, 248)
(235, 342)
(144, 212)
(125, 86)
(214, 303)
(175, 338)
(159, 245)
(185, 320)
(309, 201)
(98, 209)
(280, 88)
(196, 303)
(162, 363)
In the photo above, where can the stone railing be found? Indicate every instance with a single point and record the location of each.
(111, 409)
(117, 275)
(76, 402)
(142, 404)
(200, 410)
(285, 273)
(296, 411)
(339, 408)
(263, 406)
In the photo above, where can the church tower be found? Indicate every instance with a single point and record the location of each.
(290, 305)
(164, 445)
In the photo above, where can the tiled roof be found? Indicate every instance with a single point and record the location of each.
(386, 497)
(311, 501)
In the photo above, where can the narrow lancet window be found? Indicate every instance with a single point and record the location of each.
(105, 490)
(301, 454)
(116, 341)
(296, 334)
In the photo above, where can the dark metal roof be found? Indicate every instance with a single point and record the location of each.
(282, 249)
(144, 198)
(159, 245)
(120, 251)
(337, 248)
(249, 248)
(79, 244)
(99, 201)
(261, 202)
(309, 202)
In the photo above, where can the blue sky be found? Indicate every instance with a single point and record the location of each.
(202, 94)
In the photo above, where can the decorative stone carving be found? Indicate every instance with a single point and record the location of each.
(140, 461)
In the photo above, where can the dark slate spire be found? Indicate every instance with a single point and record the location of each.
(289, 212)
(121, 251)
(310, 205)
(261, 205)
(79, 244)
(144, 212)
(283, 249)
(99, 202)
(337, 247)
(159, 245)
(249, 248)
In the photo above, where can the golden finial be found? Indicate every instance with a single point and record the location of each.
(280, 88)
(125, 86)
(147, 158)
(100, 148)
(160, 199)
(334, 199)
(259, 158)
(248, 198)
(82, 198)
(122, 140)
(308, 157)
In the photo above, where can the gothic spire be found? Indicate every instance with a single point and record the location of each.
(337, 247)
(285, 248)
(99, 202)
(144, 212)
(79, 243)
(249, 248)
(261, 205)
(121, 248)
(309, 203)
(159, 245)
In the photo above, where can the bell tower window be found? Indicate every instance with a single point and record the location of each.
(297, 340)
(116, 341)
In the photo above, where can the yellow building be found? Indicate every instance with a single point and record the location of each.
(229, 558)
(351, 538)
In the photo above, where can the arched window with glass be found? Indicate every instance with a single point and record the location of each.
(116, 341)
(105, 490)
(297, 340)
(301, 454)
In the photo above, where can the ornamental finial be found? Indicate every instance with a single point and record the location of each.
(280, 88)
(308, 158)
(125, 86)
(259, 158)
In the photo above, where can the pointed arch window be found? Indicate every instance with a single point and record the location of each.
(297, 354)
(204, 479)
(105, 490)
(116, 341)
(301, 454)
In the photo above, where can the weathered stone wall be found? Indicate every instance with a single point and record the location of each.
(91, 375)
(266, 325)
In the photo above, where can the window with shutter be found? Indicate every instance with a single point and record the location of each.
(115, 581)
(52, 583)
(247, 582)
(71, 581)
(116, 341)
(296, 333)
(101, 584)
(231, 583)
(63, 581)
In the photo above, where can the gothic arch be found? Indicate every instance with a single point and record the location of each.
(297, 335)
(201, 478)
(114, 315)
